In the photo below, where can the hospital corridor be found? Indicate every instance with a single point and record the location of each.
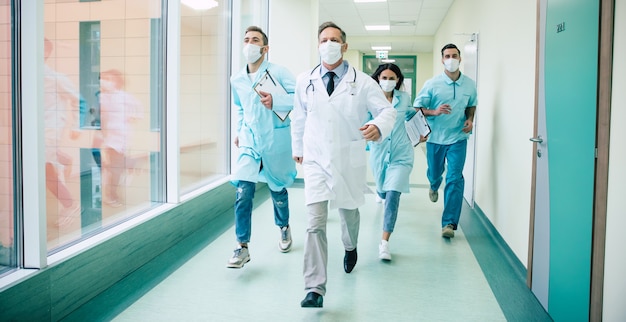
(137, 137)
(429, 278)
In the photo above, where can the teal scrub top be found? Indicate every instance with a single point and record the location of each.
(447, 128)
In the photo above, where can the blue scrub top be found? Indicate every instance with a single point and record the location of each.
(461, 94)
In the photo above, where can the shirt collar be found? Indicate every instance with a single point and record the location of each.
(340, 71)
(450, 81)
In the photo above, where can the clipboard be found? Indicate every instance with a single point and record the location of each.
(269, 85)
(417, 126)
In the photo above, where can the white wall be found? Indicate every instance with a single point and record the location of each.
(505, 111)
(293, 34)
(293, 37)
(425, 70)
(615, 261)
(354, 57)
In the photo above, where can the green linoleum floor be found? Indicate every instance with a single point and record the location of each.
(429, 278)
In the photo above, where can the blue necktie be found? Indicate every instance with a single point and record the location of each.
(330, 87)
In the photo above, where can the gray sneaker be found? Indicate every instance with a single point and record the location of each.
(447, 231)
(240, 257)
(285, 239)
(433, 195)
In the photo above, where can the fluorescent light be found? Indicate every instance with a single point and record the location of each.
(379, 27)
(387, 60)
(381, 47)
(200, 4)
(364, 1)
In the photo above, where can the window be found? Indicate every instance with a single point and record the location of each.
(8, 247)
(103, 137)
(203, 95)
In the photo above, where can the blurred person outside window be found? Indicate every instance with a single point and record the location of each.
(119, 110)
(61, 100)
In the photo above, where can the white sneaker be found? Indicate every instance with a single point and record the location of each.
(240, 257)
(383, 250)
(285, 239)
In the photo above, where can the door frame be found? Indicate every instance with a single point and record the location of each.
(603, 135)
(470, 69)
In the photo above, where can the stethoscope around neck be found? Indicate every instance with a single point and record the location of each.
(312, 86)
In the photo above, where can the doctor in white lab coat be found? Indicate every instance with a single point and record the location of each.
(329, 134)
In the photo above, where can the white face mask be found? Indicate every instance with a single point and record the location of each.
(388, 85)
(451, 64)
(252, 53)
(330, 52)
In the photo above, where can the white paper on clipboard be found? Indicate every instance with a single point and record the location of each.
(417, 127)
(268, 85)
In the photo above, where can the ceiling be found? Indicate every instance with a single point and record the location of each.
(413, 23)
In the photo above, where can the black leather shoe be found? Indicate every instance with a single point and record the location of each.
(349, 260)
(312, 299)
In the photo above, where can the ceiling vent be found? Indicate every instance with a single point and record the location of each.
(403, 23)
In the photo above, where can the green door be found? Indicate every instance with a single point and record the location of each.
(571, 58)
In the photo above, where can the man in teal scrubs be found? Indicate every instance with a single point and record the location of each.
(449, 101)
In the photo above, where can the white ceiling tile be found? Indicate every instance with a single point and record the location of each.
(437, 4)
(404, 7)
(371, 6)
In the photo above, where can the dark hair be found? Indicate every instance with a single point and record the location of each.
(259, 30)
(330, 24)
(449, 46)
(392, 67)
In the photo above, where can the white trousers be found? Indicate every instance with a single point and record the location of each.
(316, 244)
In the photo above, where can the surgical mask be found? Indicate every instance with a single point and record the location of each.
(330, 52)
(252, 53)
(451, 64)
(388, 84)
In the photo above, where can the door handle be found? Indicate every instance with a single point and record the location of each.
(538, 139)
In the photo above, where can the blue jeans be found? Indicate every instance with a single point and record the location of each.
(392, 202)
(454, 154)
(243, 209)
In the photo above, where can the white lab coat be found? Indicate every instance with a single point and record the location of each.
(325, 133)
